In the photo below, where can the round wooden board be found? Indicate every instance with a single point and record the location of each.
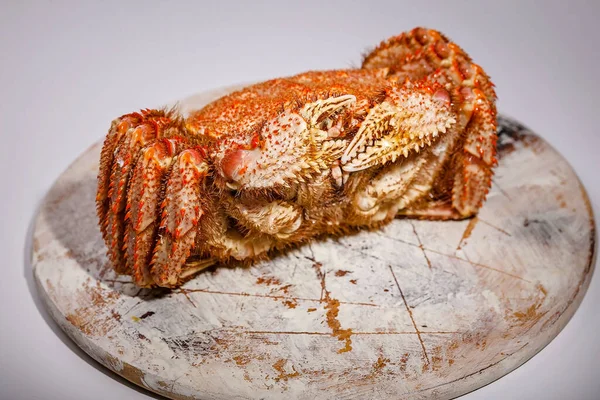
(419, 309)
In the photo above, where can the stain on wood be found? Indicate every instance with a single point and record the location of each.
(416, 310)
(341, 272)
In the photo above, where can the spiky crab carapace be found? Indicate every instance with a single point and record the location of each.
(412, 132)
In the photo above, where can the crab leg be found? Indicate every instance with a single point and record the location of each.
(232, 244)
(143, 206)
(474, 179)
(126, 154)
(278, 218)
(129, 136)
(422, 52)
(396, 53)
(180, 212)
(118, 128)
(428, 54)
(398, 185)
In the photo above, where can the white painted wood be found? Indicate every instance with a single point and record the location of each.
(417, 310)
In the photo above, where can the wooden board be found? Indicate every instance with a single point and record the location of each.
(417, 310)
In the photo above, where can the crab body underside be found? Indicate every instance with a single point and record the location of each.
(412, 132)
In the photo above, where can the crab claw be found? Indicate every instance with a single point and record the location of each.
(290, 148)
(235, 163)
(408, 120)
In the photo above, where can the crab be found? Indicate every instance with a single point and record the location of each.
(279, 163)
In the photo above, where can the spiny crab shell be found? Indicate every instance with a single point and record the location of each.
(410, 133)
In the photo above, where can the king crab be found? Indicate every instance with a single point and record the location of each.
(411, 133)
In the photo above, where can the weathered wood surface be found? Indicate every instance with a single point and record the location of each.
(417, 310)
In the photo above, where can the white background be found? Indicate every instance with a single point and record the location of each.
(68, 69)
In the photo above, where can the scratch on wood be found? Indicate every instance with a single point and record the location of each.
(272, 296)
(472, 374)
(408, 333)
(420, 244)
(366, 333)
(395, 239)
(132, 307)
(495, 227)
(411, 315)
(495, 184)
(321, 275)
(475, 264)
(185, 293)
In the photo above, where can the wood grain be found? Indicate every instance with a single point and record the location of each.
(417, 310)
